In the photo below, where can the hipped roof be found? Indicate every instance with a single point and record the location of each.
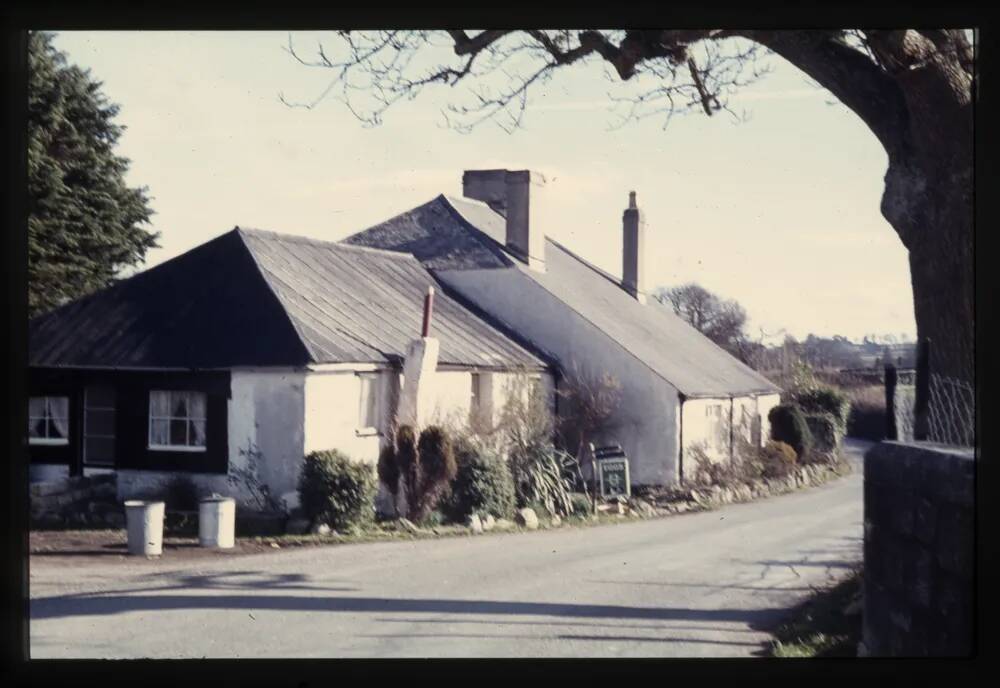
(258, 298)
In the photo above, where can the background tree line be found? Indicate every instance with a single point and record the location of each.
(724, 321)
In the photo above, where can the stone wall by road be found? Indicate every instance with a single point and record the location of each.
(919, 596)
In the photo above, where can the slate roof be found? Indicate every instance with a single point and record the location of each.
(664, 342)
(436, 234)
(258, 298)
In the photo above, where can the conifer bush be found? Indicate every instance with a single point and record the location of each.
(422, 467)
(788, 425)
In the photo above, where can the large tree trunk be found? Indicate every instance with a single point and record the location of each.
(916, 95)
(937, 231)
(928, 201)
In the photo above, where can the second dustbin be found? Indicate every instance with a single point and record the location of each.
(217, 522)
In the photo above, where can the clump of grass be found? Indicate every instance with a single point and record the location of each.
(825, 625)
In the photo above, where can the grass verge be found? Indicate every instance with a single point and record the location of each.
(828, 624)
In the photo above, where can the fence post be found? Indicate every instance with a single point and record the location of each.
(921, 402)
(890, 402)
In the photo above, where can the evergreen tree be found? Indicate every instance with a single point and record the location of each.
(84, 222)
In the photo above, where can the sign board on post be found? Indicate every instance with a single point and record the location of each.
(613, 471)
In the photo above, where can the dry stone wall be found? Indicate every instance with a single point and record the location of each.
(919, 550)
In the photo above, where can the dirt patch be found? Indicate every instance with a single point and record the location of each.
(77, 547)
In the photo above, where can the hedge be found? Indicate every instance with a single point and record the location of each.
(827, 432)
(483, 485)
(789, 426)
(337, 491)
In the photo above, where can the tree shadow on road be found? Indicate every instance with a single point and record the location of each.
(67, 606)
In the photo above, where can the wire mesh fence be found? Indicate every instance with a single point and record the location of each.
(951, 411)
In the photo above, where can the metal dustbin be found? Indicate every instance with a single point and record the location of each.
(217, 522)
(144, 521)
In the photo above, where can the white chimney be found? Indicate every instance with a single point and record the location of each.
(515, 195)
(633, 250)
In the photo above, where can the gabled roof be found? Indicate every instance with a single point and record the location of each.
(652, 333)
(257, 298)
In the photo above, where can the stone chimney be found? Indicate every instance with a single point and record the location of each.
(515, 195)
(633, 250)
(488, 186)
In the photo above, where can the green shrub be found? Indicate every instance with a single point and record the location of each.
(540, 476)
(778, 459)
(482, 485)
(335, 490)
(789, 426)
(825, 399)
(582, 503)
(745, 465)
(540, 509)
(826, 430)
(432, 519)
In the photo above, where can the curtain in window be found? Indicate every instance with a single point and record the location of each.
(159, 404)
(196, 405)
(177, 418)
(36, 417)
(58, 416)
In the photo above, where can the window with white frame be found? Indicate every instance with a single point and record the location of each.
(475, 392)
(368, 408)
(177, 420)
(716, 426)
(48, 420)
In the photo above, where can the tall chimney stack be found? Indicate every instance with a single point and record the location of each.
(509, 193)
(488, 186)
(633, 250)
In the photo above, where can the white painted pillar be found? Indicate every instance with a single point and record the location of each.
(416, 399)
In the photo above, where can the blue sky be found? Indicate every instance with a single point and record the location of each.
(780, 212)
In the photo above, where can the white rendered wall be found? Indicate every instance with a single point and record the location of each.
(697, 426)
(646, 420)
(450, 396)
(265, 412)
(700, 432)
(333, 413)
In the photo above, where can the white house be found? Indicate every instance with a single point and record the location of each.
(253, 343)
(269, 345)
(679, 390)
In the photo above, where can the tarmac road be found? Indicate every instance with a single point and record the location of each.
(693, 585)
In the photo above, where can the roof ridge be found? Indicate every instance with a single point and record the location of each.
(326, 243)
(586, 263)
(466, 199)
(479, 233)
(303, 341)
